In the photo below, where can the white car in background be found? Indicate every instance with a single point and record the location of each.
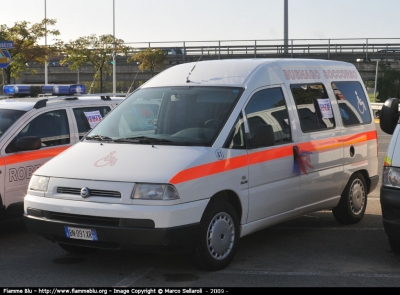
(34, 130)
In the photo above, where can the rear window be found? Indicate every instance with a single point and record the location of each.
(353, 104)
(313, 107)
(83, 117)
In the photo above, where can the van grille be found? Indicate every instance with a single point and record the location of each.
(86, 220)
(82, 219)
(93, 193)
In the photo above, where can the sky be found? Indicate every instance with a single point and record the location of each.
(210, 20)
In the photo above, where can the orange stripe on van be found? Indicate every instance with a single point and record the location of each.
(268, 155)
(33, 155)
(321, 145)
(360, 137)
(271, 154)
(209, 169)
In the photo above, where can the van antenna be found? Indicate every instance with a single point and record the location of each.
(130, 87)
(187, 78)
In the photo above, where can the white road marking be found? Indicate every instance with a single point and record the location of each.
(331, 228)
(303, 273)
(136, 275)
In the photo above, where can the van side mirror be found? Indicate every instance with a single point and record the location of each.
(389, 115)
(28, 143)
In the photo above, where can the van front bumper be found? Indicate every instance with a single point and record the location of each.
(128, 233)
(390, 204)
(116, 225)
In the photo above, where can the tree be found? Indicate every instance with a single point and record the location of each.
(94, 50)
(26, 48)
(389, 84)
(150, 59)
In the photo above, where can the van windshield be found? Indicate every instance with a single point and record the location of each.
(170, 116)
(8, 118)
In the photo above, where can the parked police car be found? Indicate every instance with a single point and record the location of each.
(228, 147)
(33, 130)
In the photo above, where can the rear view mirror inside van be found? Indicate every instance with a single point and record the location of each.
(389, 116)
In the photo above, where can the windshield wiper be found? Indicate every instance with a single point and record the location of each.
(141, 139)
(99, 137)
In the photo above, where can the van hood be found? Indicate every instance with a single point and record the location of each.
(121, 162)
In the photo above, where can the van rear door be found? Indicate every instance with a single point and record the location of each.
(320, 148)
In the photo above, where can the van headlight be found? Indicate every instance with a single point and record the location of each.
(152, 191)
(391, 177)
(38, 183)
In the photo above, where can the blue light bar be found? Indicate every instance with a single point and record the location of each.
(61, 90)
(20, 90)
(47, 89)
(77, 89)
(8, 89)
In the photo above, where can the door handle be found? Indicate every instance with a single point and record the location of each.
(295, 152)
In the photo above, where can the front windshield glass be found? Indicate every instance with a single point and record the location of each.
(8, 118)
(170, 116)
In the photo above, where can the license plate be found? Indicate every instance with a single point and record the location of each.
(80, 233)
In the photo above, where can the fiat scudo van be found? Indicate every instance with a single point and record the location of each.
(224, 148)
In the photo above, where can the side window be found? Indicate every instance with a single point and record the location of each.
(268, 118)
(352, 103)
(52, 128)
(86, 118)
(313, 107)
(237, 139)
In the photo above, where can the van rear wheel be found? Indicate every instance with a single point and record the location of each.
(77, 249)
(218, 237)
(353, 202)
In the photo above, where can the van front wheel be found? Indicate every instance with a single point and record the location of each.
(218, 236)
(353, 202)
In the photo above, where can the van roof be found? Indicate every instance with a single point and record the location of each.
(235, 72)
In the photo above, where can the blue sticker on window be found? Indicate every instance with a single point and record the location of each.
(344, 114)
(361, 105)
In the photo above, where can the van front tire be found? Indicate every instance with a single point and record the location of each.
(218, 237)
(353, 202)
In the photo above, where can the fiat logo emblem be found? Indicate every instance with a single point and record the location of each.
(85, 192)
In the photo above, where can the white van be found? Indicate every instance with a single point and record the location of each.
(390, 189)
(234, 146)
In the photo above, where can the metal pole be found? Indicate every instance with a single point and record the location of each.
(184, 52)
(78, 78)
(114, 53)
(286, 26)
(46, 75)
(376, 79)
(292, 49)
(4, 81)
